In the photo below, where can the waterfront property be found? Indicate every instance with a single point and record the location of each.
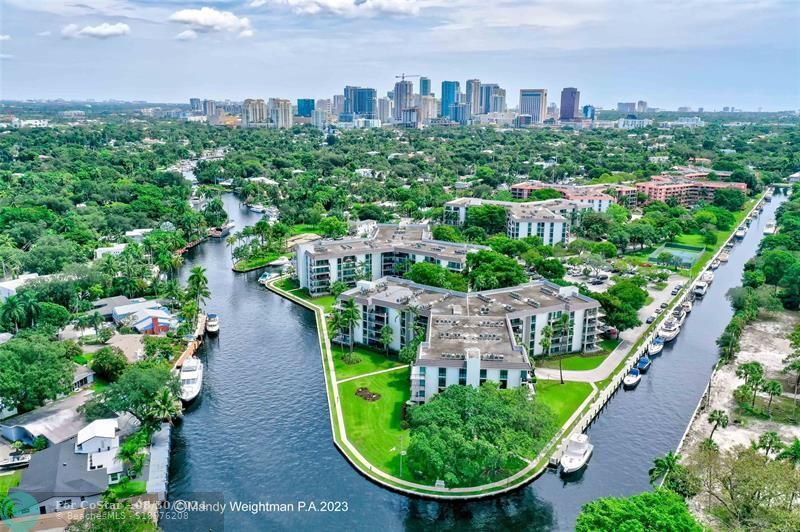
(594, 197)
(470, 338)
(75, 472)
(388, 250)
(686, 191)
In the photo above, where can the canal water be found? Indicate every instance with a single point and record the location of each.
(260, 432)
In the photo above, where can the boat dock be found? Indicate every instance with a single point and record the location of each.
(194, 344)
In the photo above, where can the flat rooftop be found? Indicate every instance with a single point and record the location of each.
(412, 238)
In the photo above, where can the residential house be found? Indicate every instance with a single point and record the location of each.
(74, 473)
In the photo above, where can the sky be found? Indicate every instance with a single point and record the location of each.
(696, 53)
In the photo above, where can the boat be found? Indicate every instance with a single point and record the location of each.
(266, 276)
(191, 376)
(644, 364)
(212, 323)
(715, 264)
(769, 229)
(669, 330)
(576, 453)
(221, 232)
(740, 232)
(768, 196)
(724, 256)
(687, 306)
(15, 461)
(707, 277)
(700, 289)
(679, 314)
(656, 346)
(632, 379)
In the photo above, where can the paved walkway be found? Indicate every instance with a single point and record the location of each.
(629, 338)
(373, 373)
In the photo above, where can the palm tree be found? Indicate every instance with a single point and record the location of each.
(387, 334)
(561, 328)
(337, 324)
(771, 388)
(793, 365)
(31, 306)
(13, 311)
(719, 418)
(547, 339)
(165, 406)
(96, 320)
(664, 466)
(769, 442)
(350, 318)
(791, 453)
(198, 285)
(231, 243)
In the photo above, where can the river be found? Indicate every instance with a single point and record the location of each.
(260, 432)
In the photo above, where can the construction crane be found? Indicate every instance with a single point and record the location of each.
(403, 76)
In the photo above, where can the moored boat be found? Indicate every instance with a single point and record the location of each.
(221, 232)
(266, 276)
(715, 264)
(191, 376)
(644, 364)
(669, 330)
(258, 208)
(687, 306)
(724, 256)
(632, 379)
(679, 314)
(707, 277)
(212, 323)
(740, 232)
(15, 461)
(656, 346)
(700, 289)
(577, 452)
(769, 229)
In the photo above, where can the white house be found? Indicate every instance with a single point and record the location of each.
(9, 287)
(114, 250)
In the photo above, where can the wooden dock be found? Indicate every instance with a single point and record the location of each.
(195, 344)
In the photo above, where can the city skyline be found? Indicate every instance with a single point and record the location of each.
(688, 54)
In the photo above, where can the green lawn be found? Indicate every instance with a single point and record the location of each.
(325, 302)
(128, 488)
(287, 283)
(9, 481)
(374, 426)
(299, 229)
(370, 361)
(580, 362)
(83, 359)
(564, 399)
(99, 384)
(255, 262)
(782, 410)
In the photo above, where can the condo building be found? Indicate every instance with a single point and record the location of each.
(687, 192)
(550, 220)
(471, 338)
(594, 197)
(387, 250)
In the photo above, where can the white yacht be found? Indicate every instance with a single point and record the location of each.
(656, 346)
(700, 289)
(741, 232)
(577, 451)
(687, 306)
(724, 256)
(632, 379)
(191, 379)
(769, 229)
(669, 330)
(212, 323)
(715, 264)
(708, 277)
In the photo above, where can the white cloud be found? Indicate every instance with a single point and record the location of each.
(101, 31)
(207, 19)
(45, 33)
(186, 35)
(349, 8)
(5, 37)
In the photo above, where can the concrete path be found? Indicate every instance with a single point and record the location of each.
(371, 374)
(629, 338)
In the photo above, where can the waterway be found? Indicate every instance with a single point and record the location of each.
(260, 432)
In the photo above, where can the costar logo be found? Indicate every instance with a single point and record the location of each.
(12, 508)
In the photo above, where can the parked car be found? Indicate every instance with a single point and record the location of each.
(650, 319)
(659, 310)
(596, 282)
(664, 304)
